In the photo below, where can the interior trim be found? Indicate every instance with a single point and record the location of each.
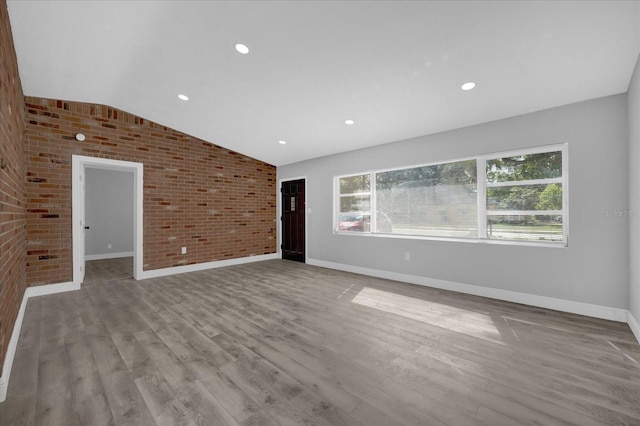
(634, 326)
(596, 311)
(206, 265)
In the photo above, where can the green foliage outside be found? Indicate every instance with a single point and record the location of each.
(525, 167)
(354, 184)
(458, 173)
(550, 198)
(525, 197)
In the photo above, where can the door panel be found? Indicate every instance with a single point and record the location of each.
(293, 220)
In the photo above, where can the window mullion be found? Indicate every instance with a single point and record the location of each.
(337, 200)
(523, 212)
(372, 204)
(481, 185)
(524, 182)
(352, 194)
(565, 193)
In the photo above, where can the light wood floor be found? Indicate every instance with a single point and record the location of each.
(281, 342)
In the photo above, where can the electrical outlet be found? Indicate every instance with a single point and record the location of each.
(407, 256)
(184, 250)
(109, 245)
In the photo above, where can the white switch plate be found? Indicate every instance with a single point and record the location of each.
(109, 245)
(407, 255)
(184, 250)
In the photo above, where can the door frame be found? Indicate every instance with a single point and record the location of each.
(280, 210)
(79, 164)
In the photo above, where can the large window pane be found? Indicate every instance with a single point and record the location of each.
(543, 165)
(355, 203)
(436, 200)
(525, 197)
(525, 227)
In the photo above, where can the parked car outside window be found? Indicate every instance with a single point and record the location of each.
(358, 221)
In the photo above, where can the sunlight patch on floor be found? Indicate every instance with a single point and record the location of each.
(438, 314)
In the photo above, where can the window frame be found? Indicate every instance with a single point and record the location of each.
(483, 212)
(481, 188)
(338, 196)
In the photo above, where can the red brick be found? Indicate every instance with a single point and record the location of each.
(13, 250)
(184, 203)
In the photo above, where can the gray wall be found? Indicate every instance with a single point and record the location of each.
(109, 211)
(593, 269)
(633, 99)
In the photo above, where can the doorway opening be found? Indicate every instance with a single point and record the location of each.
(108, 224)
(88, 176)
(293, 208)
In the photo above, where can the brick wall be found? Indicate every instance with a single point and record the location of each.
(216, 202)
(12, 186)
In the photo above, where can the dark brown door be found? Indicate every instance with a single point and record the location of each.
(293, 208)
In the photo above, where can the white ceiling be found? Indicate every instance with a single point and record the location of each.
(394, 67)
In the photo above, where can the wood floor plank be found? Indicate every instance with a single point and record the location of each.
(94, 410)
(54, 407)
(202, 408)
(283, 343)
(168, 363)
(126, 402)
(156, 392)
(275, 404)
(18, 410)
(235, 401)
(85, 382)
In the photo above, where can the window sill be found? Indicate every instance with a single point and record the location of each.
(553, 244)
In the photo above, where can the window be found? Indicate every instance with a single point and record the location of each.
(355, 203)
(524, 197)
(518, 196)
(435, 200)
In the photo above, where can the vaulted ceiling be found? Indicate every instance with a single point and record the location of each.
(394, 67)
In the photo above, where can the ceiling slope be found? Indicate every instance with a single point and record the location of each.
(393, 67)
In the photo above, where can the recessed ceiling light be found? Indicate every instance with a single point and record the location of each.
(241, 48)
(468, 86)
(282, 142)
(349, 122)
(183, 97)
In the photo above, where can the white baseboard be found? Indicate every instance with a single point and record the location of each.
(108, 255)
(11, 350)
(634, 326)
(17, 326)
(43, 290)
(596, 311)
(154, 273)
